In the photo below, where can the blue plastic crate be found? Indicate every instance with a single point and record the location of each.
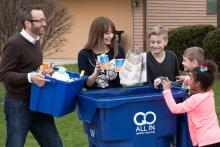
(128, 117)
(56, 97)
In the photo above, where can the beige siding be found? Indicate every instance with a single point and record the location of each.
(127, 17)
(83, 12)
(138, 25)
(174, 13)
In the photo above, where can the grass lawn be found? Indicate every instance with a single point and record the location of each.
(69, 126)
(217, 98)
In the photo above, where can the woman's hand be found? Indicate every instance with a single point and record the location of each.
(92, 78)
(97, 68)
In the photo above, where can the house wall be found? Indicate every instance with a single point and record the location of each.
(138, 24)
(170, 13)
(83, 12)
(175, 13)
(129, 17)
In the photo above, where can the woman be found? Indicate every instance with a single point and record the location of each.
(101, 41)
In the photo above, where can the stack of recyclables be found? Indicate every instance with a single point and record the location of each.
(128, 117)
(57, 97)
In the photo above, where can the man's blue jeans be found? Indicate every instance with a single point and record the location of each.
(19, 120)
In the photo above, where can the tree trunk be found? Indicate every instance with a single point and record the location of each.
(218, 13)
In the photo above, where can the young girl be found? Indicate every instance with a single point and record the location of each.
(202, 118)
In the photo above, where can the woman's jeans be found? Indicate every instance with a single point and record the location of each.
(19, 120)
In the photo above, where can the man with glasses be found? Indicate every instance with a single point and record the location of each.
(21, 56)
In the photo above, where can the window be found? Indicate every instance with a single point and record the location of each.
(212, 6)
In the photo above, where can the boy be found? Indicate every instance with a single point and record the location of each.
(192, 57)
(160, 62)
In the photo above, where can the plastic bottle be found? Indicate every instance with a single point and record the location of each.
(61, 75)
(135, 56)
(136, 50)
(186, 83)
(82, 73)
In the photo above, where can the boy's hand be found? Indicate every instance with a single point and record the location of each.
(180, 78)
(166, 84)
(157, 81)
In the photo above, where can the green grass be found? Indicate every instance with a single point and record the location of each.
(69, 126)
(217, 97)
(72, 67)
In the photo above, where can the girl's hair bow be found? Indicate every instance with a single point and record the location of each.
(203, 68)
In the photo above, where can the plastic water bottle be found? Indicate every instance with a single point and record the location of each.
(135, 56)
(186, 83)
(61, 75)
(136, 51)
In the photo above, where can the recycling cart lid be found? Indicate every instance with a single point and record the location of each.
(89, 101)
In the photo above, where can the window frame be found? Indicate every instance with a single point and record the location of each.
(208, 11)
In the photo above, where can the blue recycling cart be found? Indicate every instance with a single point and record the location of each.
(129, 117)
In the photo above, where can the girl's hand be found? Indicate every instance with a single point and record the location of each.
(166, 84)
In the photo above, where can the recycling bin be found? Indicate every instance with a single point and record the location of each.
(128, 117)
(183, 136)
(56, 97)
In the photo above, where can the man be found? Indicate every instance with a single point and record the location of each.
(21, 56)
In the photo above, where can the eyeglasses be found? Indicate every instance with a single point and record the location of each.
(42, 21)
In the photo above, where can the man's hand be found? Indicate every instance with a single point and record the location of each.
(38, 79)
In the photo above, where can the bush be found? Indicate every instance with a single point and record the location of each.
(187, 36)
(212, 45)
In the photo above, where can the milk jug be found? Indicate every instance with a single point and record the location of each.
(61, 75)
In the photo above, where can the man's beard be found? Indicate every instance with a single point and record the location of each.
(36, 31)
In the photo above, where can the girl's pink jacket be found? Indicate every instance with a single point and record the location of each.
(203, 122)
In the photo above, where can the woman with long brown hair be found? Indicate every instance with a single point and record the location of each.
(101, 41)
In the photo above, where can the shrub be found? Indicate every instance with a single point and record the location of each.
(187, 36)
(212, 45)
